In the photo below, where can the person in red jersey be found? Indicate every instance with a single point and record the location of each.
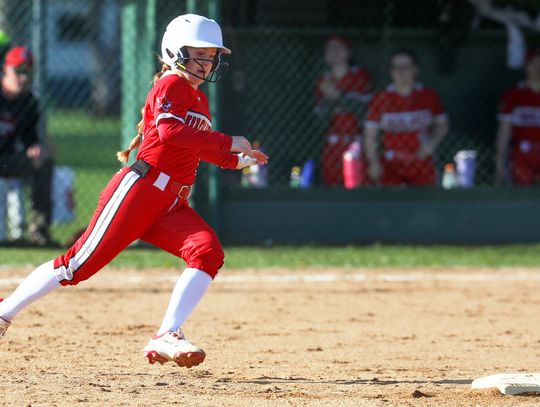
(148, 200)
(518, 135)
(341, 94)
(412, 121)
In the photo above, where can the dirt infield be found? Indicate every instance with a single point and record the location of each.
(279, 338)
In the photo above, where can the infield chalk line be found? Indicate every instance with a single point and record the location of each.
(326, 278)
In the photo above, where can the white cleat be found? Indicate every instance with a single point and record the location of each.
(173, 347)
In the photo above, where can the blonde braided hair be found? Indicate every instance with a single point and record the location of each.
(123, 156)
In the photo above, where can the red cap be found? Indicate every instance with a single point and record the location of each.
(19, 56)
(531, 54)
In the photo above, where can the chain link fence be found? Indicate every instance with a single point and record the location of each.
(75, 78)
(340, 94)
(306, 106)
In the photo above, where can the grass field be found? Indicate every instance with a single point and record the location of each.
(81, 140)
(349, 257)
(88, 184)
(87, 144)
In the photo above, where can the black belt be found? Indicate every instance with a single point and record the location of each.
(141, 167)
(178, 189)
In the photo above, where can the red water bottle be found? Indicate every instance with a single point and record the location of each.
(353, 169)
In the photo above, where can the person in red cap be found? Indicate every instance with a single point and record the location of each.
(341, 94)
(21, 153)
(518, 134)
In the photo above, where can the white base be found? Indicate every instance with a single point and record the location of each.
(510, 383)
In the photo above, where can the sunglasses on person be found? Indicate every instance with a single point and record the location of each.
(23, 71)
(401, 67)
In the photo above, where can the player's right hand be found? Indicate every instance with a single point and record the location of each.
(37, 154)
(240, 145)
(329, 89)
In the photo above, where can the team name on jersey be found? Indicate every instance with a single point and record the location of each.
(526, 116)
(406, 121)
(198, 121)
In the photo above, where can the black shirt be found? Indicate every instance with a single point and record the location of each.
(18, 123)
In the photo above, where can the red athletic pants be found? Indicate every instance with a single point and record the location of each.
(132, 207)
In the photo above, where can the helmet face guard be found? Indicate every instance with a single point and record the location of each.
(219, 67)
(194, 31)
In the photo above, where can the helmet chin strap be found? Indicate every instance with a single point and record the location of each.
(217, 65)
(183, 67)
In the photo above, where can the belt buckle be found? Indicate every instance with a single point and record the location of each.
(181, 191)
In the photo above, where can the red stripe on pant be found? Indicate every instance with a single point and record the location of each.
(129, 208)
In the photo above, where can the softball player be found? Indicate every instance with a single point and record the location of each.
(341, 95)
(518, 133)
(148, 200)
(413, 123)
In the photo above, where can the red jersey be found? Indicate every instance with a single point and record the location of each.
(520, 105)
(405, 120)
(356, 84)
(177, 131)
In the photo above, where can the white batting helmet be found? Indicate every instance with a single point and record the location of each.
(190, 30)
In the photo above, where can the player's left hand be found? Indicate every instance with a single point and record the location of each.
(425, 150)
(254, 157)
(258, 155)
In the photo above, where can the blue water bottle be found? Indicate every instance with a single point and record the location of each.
(307, 175)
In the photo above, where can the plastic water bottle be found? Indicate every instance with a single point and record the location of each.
(258, 176)
(352, 166)
(295, 177)
(449, 178)
(466, 167)
(254, 176)
(245, 181)
(259, 173)
(262, 178)
(307, 174)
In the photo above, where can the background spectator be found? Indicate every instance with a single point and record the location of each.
(412, 121)
(519, 128)
(342, 93)
(21, 153)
